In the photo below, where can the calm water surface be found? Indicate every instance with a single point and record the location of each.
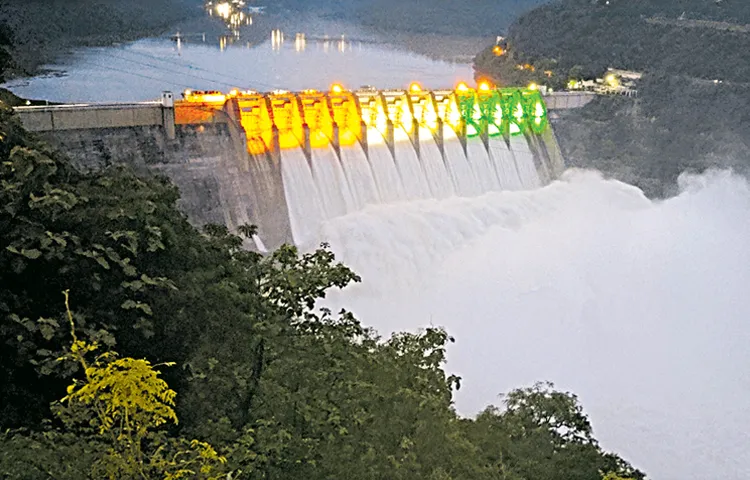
(293, 57)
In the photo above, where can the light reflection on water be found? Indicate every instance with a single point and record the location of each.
(285, 60)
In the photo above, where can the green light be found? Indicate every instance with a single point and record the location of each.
(537, 111)
(506, 111)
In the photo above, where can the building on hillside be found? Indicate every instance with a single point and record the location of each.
(615, 82)
(629, 75)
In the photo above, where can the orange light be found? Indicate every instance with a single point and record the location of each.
(498, 51)
(233, 93)
(462, 87)
(484, 87)
(337, 88)
(415, 88)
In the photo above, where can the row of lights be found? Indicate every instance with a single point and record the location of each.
(414, 87)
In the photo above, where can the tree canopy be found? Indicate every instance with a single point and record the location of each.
(177, 354)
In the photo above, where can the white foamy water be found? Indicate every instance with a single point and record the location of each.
(463, 176)
(639, 307)
(524, 160)
(306, 208)
(409, 169)
(433, 164)
(327, 171)
(479, 159)
(384, 171)
(505, 164)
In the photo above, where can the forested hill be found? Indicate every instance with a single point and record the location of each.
(42, 29)
(699, 38)
(443, 17)
(692, 110)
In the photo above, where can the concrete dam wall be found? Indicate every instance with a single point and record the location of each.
(288, 163)
(219, 181)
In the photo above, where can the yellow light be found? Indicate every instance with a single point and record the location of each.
(454, 118)
(214, 98)
(484, 87)
(533, 86)
(415, 88)
(498, 51)
(337, 88)
(234, 92)
(223, 9)
(462, 87)
(381, 121)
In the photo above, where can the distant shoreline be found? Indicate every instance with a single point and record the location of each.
(44, 32)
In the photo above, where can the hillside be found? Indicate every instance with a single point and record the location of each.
(693, 108)
(442, 17)
(42, 29)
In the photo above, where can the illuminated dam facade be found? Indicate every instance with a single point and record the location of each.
(289, 162)
(313, 119)
(338, 151)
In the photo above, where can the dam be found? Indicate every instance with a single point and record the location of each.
(287, 162)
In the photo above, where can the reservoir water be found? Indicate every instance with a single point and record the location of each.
(300, 55)
(638, 306)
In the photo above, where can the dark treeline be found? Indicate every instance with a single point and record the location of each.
(678, 124)
(618, 35)
(43, 29)
(442, 17)
(692, 107)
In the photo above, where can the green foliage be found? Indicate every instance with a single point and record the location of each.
(6, 61)
(99, 234)
(125, 396)
(614, 476)
(619, 35)
(120, 403)
(544, 434)
(283, 389)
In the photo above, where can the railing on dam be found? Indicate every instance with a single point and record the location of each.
(84, 116)
(310, 119)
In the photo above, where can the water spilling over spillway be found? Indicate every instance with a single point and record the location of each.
(327, 188)
(639, 307)
(322, 155)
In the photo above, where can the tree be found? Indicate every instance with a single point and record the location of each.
(115, 411)
(544, 434)
(6, 42)
(283, 389)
